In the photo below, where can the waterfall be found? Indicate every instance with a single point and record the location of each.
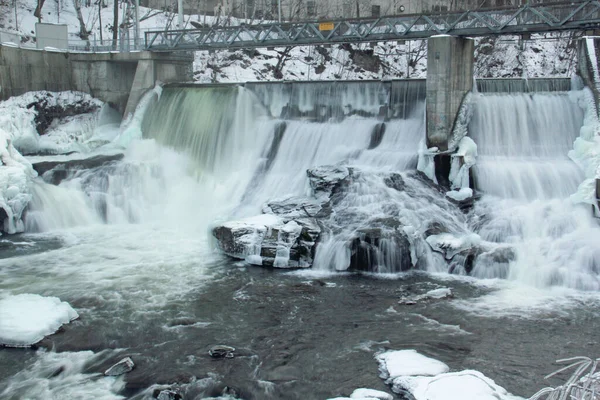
(210, 154)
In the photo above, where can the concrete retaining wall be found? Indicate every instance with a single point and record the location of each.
(109, 77)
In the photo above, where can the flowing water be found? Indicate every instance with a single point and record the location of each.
(128, 246)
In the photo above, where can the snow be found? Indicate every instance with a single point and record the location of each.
(450, 245)
(393, 364)
(461, 194)
(25, 319)
(463, 385)
(429, 379)
(371, 394)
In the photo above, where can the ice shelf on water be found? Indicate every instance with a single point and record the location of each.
(25, 319)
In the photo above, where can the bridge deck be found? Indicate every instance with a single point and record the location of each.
(580, 15)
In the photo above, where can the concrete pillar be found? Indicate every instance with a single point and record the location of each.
(449, 78)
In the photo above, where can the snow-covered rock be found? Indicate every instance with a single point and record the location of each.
(463, 385)
(429, 379)
(25, 319)
(325, 179)
(363, 393)
(396, 363)
(461, 194)
(450, 245)
(269, 240)
(124, 366)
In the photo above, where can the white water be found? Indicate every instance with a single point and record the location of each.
(523, 141)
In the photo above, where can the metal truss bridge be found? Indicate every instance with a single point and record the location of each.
(573, 15)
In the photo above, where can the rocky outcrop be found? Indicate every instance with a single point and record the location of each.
(269, 240)
(55, 171)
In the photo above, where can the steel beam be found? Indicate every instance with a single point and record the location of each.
(526, 19)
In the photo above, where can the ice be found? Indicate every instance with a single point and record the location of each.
(586, 151)
(463, 385)
(426, 164)
(462, 161)
(131, 127)
(461, 194)
(25, 319)
(393, 364)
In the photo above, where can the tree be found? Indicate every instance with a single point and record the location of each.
(38, 10)
(115, 29)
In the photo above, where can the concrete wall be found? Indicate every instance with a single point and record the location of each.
(449, 78)
(106, 76)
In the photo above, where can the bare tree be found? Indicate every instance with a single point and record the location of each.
(115, 27)
(38, 10)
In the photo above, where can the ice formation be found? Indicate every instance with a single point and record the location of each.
(462, 161)
(586, 150)
(426, 163)
(25, 319)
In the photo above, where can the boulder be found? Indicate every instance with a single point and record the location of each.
(326, 179)
(221, 351)
(372, 248)
(294, 207)
(269, 240)
(55, 171)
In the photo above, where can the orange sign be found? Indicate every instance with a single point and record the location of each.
(326, 26)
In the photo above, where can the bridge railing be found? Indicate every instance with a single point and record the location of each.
(526, 19)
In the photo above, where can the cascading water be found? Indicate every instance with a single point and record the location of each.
(523, 141)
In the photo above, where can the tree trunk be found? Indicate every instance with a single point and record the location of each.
(83, 33)
(38, 10)
(115, 24)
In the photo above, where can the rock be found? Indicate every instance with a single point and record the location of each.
(435, 294)
(55, 172)
(221, 351)
(122, 367)
(394, 181)
(326, 179)
(269, 240)
(294, 207)
(374, 247)
(169, 395)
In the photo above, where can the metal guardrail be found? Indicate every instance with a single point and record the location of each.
(581, 15)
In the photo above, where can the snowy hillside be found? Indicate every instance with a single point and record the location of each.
(551, 55)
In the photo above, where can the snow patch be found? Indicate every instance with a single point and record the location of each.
(25, 319)
(463, 385)
(461, 194)
(396, 363)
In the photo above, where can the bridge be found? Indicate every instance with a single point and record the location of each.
(564, 16)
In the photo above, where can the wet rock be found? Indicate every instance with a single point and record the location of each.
(269, 240)
(493, 262)
(394, 181)
(221, 351)
(168, 395)
(55, 172)
(326, 179)
(375, 247)
(294, 207)
(122, 367)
